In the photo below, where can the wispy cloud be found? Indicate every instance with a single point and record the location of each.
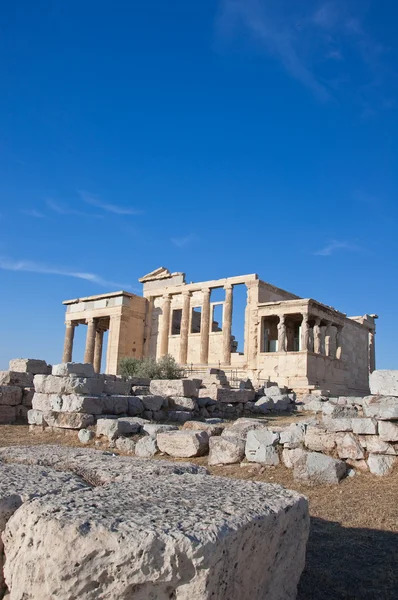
(180, 242)
(34, 267)
(63, 209)
(317, 42)
(335, 245)
(112, 208)
(32, 212)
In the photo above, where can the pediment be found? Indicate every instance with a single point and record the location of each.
(160, 273)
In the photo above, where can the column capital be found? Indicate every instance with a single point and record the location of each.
(206, 290)
(228, 286)
(282, 318)
(71, 324)
(166, 296)
(90, 320)
(187, 293)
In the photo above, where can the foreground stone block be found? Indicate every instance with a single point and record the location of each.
(73, 403)
(317, 469)
(72, 368)
(375, 445)
(183, 444)
(380, 465)
(153, 546)
(211, 429)
(293, 436)
(20, 483)
(173, 387)
(388, 431)
(151, 402)
(290, 457)
(384, 382)
(337, 424)
(10, 395)
(118, 405)
(29, 365)
(365, 426)
(179, 403)
(318, 439)
(348, 446)
(153, 429)
(125, 445)
(146, 447)
(225, 450)
(241, 427)
(15, 378)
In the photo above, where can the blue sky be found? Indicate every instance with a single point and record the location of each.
(216, 138)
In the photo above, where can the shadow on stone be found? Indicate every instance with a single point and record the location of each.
(349, 563)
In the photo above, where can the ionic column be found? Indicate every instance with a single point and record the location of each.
(372, 351)
(317, 336)
(186, 304)
(339, 339)
(305, 333)
(165, 326)
(90, 341)
(68, 343)
(328, 340)
(99, 338)
(205, 327)
(227, 325)
(282, 334)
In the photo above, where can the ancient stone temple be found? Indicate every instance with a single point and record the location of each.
(296, 342)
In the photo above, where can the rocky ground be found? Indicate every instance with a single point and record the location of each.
(353, 547)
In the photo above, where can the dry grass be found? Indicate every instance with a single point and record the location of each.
(353, 547)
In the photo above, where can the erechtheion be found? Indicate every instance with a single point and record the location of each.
(296, 342)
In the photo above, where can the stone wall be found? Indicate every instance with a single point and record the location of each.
(17, 389)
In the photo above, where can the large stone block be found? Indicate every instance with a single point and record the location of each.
(51, 384)
(117, 387)
(348, 446)
(179, 416)
(113, 428)
(293, 436)
(20, 483)
(173, 387)
(87, 404)
(179, 403)
(146, 447)
(318, 439)
(72, 368)
(337, 424)
(135, 406)
(10, 395)
(384, 382)
(151, 402)
(380, 465)
(241, 427)
(27, 396)
(29, 365)
(365, 426)
(210, 428)
(8, 414)
(36, 417)
(65, 420)
(388, 431)
(232, 396)
(152, 429)
(226, 450)
(375, 445)
(383, 408)
(183, 444)
(214, 542)
(15, 378)
(117, 405)
(291, 456)
(260, 447)
(315, 468)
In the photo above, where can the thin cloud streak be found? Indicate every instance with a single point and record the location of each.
(335, 245)
(32, 212)
(183, 241)
(62, 209)
(33, 267)
(112, 208)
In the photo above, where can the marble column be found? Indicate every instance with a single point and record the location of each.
(99, 338)
(186, 305)
(372, 351)
(305, 333)
(90, 341)
(282, 334)
(323, 339)
(148, 326)
(165, 326)
(227, 325)
(68, 343)
(317, 336)
(205, 327)
(329, 340)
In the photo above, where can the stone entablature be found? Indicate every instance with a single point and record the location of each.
(293, 341)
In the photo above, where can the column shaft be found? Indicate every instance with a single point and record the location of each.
(148, 327)
(317, 336)
(165, 326)
(305, 333)
(205, 327)
(90, 341)
(372, 352)
(339, 339)
(99, 337)
(186, 304)
(227, 325)
(282, 334)
(68, 343)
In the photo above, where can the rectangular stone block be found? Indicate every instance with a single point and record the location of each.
(173, 387)
(336, 425)
(14, 378)
(36, 417)
(43, 402)
(51, 384)
(65, 420)
(388, 431)
(8, 414)
(83, 404)
(114, 428)
(366, 426)
(72, 368)
(384, 382)
(10, 395)
(115, 405)
(232, 396)
(216, 545)
(117, 387)
(384, 408)
(29, 365)
(27, 396)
